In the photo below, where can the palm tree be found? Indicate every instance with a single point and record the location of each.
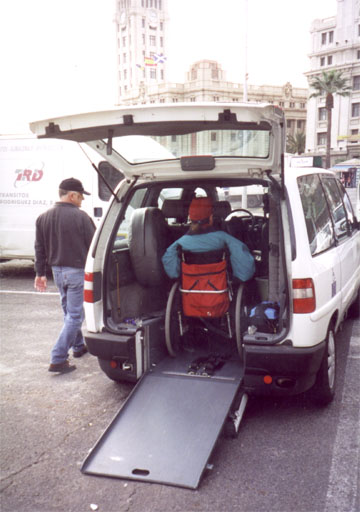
(329, 83)
(295, 144)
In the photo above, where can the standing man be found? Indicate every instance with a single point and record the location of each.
(63, 237)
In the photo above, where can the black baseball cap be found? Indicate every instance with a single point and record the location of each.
(73, 185)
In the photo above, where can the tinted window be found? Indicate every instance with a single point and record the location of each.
(136, 202)
(112, 176)
(336, 206)
(347, 203)
(316, 212)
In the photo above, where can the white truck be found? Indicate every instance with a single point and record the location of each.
(31, 170)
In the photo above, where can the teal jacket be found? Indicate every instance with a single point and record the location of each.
(242, 261)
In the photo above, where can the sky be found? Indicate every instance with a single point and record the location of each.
(58, 57)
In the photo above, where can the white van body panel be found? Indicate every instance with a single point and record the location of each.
(31, 171)
(295, 351)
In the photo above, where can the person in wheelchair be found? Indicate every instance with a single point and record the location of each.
(203, 237)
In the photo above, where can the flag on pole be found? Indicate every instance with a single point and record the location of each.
(150, 61)
(159, 58)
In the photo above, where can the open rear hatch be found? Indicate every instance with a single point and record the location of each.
(247, 138)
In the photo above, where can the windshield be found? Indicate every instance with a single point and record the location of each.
(218, 143)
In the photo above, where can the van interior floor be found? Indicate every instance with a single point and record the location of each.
(167, 428)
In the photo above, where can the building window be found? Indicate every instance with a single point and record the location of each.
(152, 40)
(292, 104)
(323, 38)
(125, 74)
(143, 38)
(192, 98)
(152, 72)
(143, 22)
(321, 139)
(215, 74)
(124, 58)
(281, 103)
(322, 114)
(356, 83)
(302, 105)
(213, 136)
(329, 60)
(331, 36)
(216, 98)
(124, 41)
(299, 125)
(322, 61)
(161, 25)
(355, 110)
(161, 42)
(354, 137)
(358, 55)
(162, 74)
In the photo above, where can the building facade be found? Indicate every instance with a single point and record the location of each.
(336, 45)
(141, 34)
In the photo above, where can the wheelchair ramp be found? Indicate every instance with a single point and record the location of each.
(166, 430)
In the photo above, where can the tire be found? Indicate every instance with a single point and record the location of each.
(354, 309)
(239, 325)
(173, 317)
(243, 301)
(324, 388)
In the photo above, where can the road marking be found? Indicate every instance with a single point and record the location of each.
(28, 293)
(343, 481)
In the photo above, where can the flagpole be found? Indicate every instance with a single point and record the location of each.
(245, 93)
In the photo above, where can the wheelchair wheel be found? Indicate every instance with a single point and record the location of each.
(174, 323)
(240, 319)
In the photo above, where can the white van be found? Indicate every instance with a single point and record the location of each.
(31, 171)
(302, 232)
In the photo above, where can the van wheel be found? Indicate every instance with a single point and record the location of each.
(324, 387)
(354, 309)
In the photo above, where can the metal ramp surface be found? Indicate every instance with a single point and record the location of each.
(166, 430)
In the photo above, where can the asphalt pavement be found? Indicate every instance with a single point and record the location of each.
(290, 456)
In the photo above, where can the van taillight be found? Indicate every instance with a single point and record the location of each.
(89, 287)
(304, 299)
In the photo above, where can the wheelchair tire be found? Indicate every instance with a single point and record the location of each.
(239, 320)
(172, 327)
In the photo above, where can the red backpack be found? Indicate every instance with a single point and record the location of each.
(204, 286)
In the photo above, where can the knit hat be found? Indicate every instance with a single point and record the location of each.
(73, 185)
(200, 210)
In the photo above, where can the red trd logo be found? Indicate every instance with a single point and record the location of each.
(25, 176)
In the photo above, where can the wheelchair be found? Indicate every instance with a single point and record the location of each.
(204, 301)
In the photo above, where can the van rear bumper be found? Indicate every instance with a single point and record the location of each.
(288, 370)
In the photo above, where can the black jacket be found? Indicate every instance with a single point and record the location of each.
(63, 237)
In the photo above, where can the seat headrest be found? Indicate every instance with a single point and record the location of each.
(174, 209)
(222, 209)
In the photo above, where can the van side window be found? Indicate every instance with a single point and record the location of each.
(135, 202)
(347, 203)
(337, 209)
(316, 212)
(112, 176)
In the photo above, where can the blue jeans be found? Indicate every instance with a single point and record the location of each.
(70, 283)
